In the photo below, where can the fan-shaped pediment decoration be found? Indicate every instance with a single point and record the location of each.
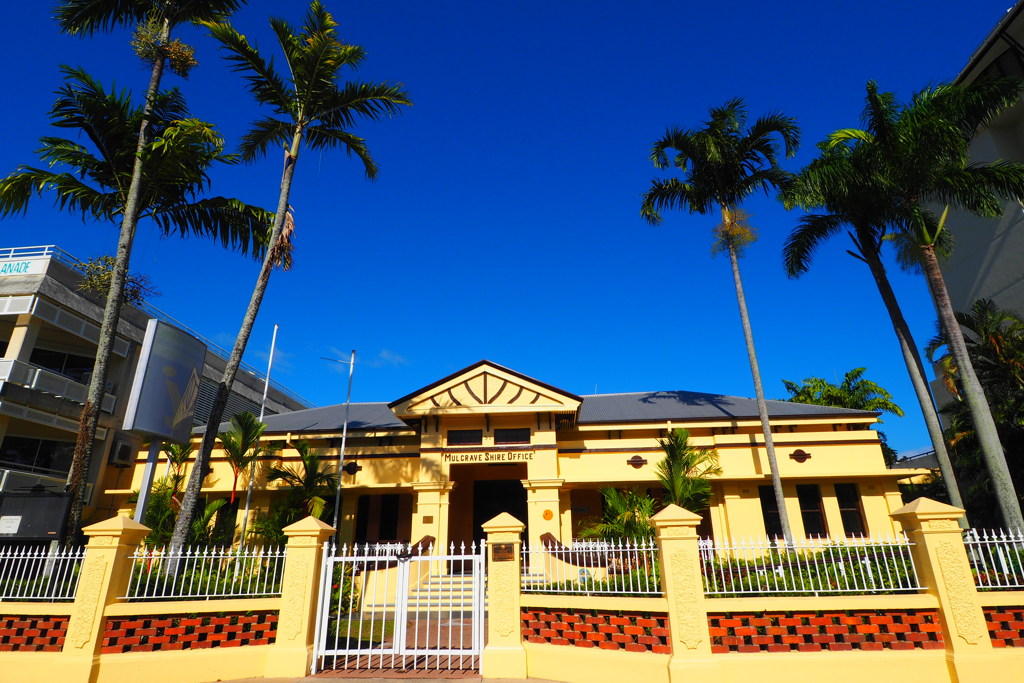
(483, 389)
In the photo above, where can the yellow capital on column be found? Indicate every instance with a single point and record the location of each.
(683, 583)
(940, 558)
(504, 656)
(105, 573)
(292, 651)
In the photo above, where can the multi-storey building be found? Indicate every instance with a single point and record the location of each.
(48, 331)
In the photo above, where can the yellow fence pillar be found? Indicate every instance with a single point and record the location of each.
(292, 651)
(942, 567)
(683, 583)
(104, 576)
(504, 656)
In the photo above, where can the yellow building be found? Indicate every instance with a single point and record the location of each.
(446, 458)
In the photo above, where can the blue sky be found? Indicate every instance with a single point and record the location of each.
(505, 222)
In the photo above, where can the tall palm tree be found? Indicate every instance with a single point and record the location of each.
(995, 342)
(842, 181)
(921, 154)
(723, 164)
(154, 20)
(241, 445)
(685, 470)
(313, 108)
(94, 180)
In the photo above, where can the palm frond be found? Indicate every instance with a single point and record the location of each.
(265, 84)
(235, 224)
(327, 137)
(811, 232)
(264, 134)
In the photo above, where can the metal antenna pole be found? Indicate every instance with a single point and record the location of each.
(263, 406)
(344, 435)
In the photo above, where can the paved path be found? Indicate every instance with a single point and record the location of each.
(426, 676)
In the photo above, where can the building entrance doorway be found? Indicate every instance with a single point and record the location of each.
(491, 498)
(482, 492)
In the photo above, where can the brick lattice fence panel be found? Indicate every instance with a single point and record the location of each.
(1005, 626)
(32, 633)
(188, 632)
(825, 631)
(604, 629)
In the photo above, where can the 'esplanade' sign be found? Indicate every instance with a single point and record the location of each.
(486, 456)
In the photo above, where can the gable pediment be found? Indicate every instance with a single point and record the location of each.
(486, 388)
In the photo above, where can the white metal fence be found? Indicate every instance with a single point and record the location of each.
(205, 573)
(400, 606)
(39, 573)
(625, 567)
(815, 567)
(996, 557)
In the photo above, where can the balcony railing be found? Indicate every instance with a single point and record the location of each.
(48, 382)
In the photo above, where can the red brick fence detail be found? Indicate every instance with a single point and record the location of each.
(1005, 626)
(604, 629)
(825, 631)
(32, 633)
(188, 632)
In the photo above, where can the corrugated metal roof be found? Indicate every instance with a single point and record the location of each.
(329, 419)
(652, 406)
(660, 406)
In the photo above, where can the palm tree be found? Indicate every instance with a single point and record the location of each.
(842, 182)
(94, 181)
(853, 392)
(921, 157)
(241, 445)
(685, 470)
(309, 482)
(314, 109)
(626, 514)
(723, 164)
(154, 20)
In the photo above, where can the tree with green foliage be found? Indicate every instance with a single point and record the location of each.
(153, 20)
(685, 471)
(96, 280)
(312, 107)
(310, 482)
(92, 178)
(853, 392)
(626, 514)
(241, 445)
(842, 188)
(921, 159)
(723, 163)
(995, 342)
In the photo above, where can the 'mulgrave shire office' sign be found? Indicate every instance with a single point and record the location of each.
(486, 456)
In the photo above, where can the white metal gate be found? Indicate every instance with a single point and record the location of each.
(397, 606)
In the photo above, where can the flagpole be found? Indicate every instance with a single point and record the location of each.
(344, 435)
(263, 406)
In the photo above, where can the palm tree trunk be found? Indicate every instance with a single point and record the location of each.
(984, 425)
(915, 368)
(89, 420)
(195, 480)
(762, 407)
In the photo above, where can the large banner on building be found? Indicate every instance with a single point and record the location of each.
(166, 384)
